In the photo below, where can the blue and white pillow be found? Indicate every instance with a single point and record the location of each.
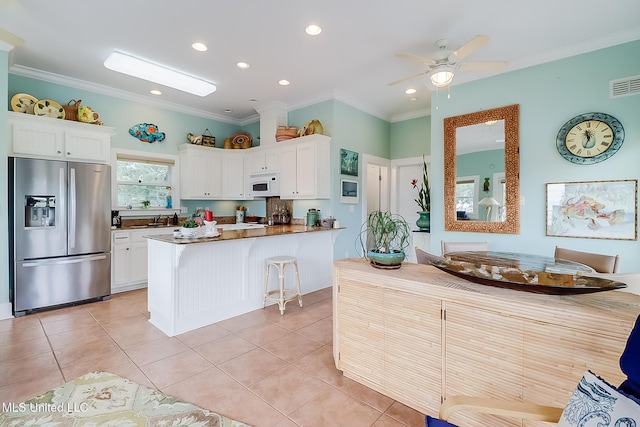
(597, 403)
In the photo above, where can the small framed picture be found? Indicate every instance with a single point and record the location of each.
(348, 162)
(349, 191)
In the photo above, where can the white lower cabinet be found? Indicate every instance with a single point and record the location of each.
(129, 259)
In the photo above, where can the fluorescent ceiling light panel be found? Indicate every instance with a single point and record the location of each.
(141, 69)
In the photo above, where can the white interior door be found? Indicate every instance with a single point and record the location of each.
(375, 183)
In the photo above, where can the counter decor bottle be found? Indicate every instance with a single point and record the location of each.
(169, 203)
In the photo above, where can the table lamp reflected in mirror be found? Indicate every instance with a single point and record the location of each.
(488, 203)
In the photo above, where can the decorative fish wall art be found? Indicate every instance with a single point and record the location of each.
(146, 132)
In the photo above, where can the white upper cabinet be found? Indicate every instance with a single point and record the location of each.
(233, 176)
(262, 161)
(211, 173)
(217, 174)
(304, 168)
(46, 138)
(200, 172)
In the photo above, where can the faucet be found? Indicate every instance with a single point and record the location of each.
(156, 219)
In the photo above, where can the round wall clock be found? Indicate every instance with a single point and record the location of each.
(590, 138)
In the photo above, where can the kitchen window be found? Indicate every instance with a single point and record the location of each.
(143, 182)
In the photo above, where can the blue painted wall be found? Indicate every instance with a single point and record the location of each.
(410, 138)
(549, 95)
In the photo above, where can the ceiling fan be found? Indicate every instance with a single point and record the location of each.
(442, 68)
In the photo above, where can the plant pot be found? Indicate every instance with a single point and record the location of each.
(424, 222)
(188, 232)
(390, 260)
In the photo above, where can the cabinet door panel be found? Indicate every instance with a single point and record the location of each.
(288, 173)
(413, 332)
(484, 352)
(552, 375)
(200, 174)
(86, 146)
(255, 163)
(362, 330)
(139, 261)
(306, 171)
(38, 140)
(121, 259)
(233, 177)
(271, 161)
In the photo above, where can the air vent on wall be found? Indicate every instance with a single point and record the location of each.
(624, 87)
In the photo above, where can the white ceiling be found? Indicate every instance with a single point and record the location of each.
(352, 60)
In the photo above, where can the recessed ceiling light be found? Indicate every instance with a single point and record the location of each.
(410, 91)
(242, 65)
(142, 69)
(200, 47)
(284, 82)
(313, 30)
(414, 99)
(253, 100)
(228, 110)
(155, 92)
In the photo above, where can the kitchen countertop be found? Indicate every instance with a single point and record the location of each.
(267, 231)
(146, 227)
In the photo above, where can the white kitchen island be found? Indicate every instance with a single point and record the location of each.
(197, 282)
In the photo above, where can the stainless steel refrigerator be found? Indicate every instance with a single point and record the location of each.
(59, 231)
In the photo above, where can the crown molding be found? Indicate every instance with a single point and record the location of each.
(411, 115)
(128, 96)
(116, 93)
(574, 49)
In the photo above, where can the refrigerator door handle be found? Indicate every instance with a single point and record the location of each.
(72, 208)
(64, 261)
(62, 172)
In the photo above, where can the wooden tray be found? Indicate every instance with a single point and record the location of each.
(523, 272)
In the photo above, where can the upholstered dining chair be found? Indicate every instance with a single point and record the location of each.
(463, 246)
(600, 263)
(593, 399)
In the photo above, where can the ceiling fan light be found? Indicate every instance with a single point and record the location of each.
(441, 78)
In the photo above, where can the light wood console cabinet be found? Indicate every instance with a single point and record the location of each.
(419, 335)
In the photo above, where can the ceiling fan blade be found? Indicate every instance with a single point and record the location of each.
(408, 78)
(467, 49)
(483, 66)
(416, 58)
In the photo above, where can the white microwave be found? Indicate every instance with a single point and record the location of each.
(264, 185)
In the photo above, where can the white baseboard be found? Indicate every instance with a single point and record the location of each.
(6, 311)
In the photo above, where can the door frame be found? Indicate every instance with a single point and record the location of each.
(367, 160)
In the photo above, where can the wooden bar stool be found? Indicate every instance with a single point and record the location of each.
(283, 295)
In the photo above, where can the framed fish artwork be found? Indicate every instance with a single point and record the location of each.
(593, 209)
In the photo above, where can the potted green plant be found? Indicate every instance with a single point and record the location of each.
(424, 199)
(188, 228)
(384, 237)
(145, 204)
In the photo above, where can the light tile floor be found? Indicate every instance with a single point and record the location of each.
(260, 368)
